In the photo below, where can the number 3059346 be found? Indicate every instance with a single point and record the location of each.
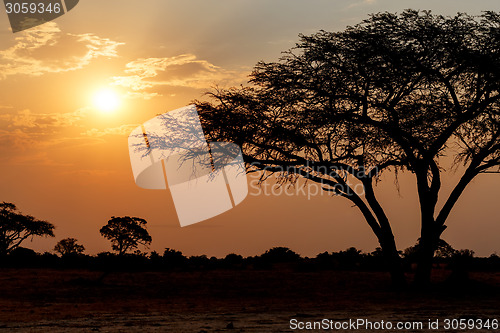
(33, 8)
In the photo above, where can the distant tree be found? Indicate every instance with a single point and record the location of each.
(201, 261)
(69, 246)
(443, 251)
(22, 252)
(23, 257)
(393, 93)
(126, 233)
(233, 258)
(174, 258)
(410, 253)
(460, 265)
(16, 227)
(280, 254)
(377, 253)
(155, 256)
(351, 252)
(464, 253)
(351, 258)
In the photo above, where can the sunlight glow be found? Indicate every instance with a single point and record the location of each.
(106, 100)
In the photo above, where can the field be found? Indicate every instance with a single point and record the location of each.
(41, 300)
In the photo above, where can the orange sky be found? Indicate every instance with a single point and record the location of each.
(63, 160)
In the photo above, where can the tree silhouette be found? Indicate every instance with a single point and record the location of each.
(443, 251)
(16, 227)
(126, 233)
(395, 92)
(280, 254)
(173, 258)
(69, 246)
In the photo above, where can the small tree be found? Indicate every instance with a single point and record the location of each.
(69, 246)
(174, 258)
(126, 233)
(16, 227)
(280, 254)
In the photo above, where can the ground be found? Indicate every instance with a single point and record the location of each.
(40, 300)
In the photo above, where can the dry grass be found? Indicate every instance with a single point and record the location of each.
(256, 301)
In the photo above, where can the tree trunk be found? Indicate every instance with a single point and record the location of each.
(425, 257)
(384, 234)
(394, 262)
(430, 231)
(428, 243)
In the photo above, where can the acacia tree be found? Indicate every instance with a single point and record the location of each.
(126, 233)
(16, 227)
(395, 92)
(69, 246)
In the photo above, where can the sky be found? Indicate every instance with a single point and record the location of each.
(64, 157)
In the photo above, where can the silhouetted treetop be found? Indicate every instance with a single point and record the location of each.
(126, 233)
(69, 246)
(16, 227)
(280, 254)
(390, 91)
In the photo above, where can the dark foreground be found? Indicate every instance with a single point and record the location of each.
(42, 300)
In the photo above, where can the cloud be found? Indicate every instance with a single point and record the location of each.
(121, 130)
(179, 71)
(16, 140)
(141, 94)
(26, 131)
(26, 119)
(46, 49)
(90, 173)
(97, 47)
(361, 3)
(39, 158)
(23, 147)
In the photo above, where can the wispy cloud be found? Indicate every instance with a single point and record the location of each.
(27, 147)
(91, 173)
(39, 158)
(146, 75)
(361, 3)
(120, 130)
(25, 131)
(16, 140)
(26, 119)
(46, 49)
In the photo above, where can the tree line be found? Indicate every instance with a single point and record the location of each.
(458, 262)
(126, 234)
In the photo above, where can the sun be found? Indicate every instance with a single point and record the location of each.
(106, 100)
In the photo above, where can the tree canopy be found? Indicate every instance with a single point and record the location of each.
(395, 92)
(126, 233)
(16, 227)
(69, 246)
